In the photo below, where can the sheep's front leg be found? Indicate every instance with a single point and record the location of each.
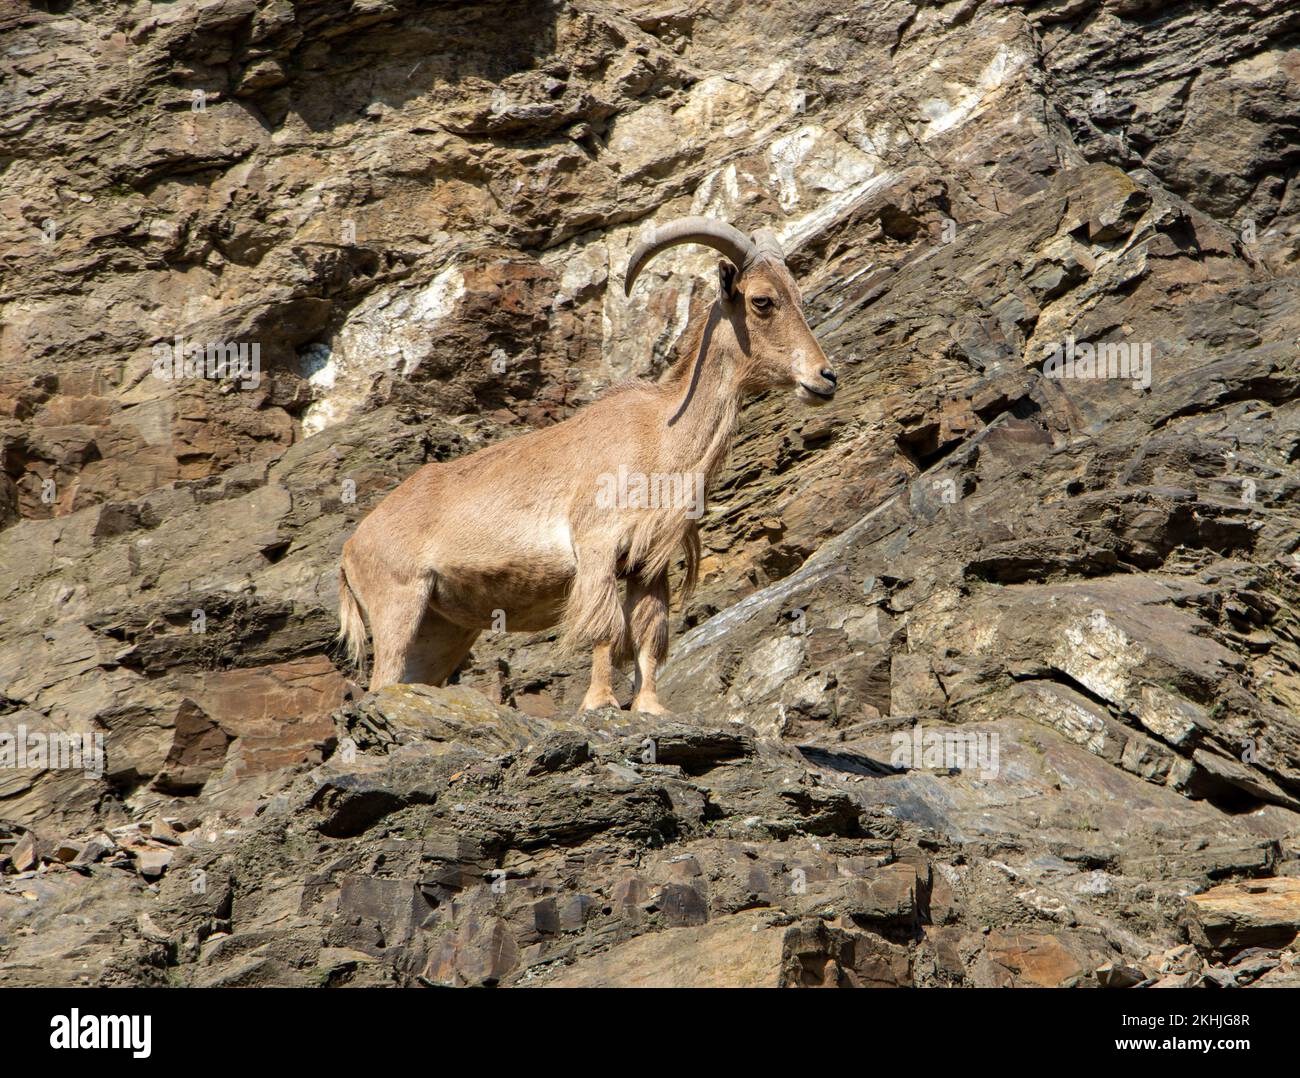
(601, 692)
(648, 623)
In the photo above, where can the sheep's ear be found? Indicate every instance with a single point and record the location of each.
(727, 275)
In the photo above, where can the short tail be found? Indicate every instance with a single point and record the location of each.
(352, 627)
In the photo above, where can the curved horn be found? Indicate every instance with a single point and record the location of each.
(719, 235)
(767, 243)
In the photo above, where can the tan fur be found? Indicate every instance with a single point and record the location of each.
(352, 628)
(516, 527)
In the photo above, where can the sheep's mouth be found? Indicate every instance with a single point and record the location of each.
(817, 394)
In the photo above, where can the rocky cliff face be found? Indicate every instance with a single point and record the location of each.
(993, 673)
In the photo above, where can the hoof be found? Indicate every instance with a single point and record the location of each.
(599, 703)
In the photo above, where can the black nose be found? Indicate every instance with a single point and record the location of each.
(829, 375)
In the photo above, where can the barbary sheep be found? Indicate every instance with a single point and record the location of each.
(538, 530)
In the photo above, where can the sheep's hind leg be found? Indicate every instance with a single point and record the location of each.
(438, 648)
(601, 691)
(647, 617)
(396, 617)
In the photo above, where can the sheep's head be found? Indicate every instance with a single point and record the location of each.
(761, 301)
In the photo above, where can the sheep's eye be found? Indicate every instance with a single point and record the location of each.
(761, 303)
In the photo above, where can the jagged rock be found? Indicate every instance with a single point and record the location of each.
(1037, 959)
(152, 862)
(741, 951)
(1077, 590)
(66, 852)
(681, 905)
(1180, 980)
(93, 850)
(25, 855)
(198, 748)
(1251, 913)
(1252, 963)
(377, 914)
(1118, 975)
(816, 955)
(1221, 978)
(454, 716)
(350, 803)
(883, 896)
(1286, 975)
(695, 751)
(1184, 959)
(560, 752)
(482, 952)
